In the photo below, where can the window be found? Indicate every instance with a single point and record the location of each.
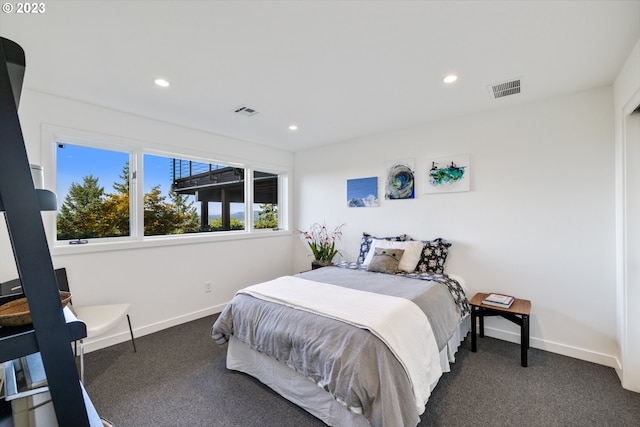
(97, 191)
(265, 200)
(89, 209)
(210, 197)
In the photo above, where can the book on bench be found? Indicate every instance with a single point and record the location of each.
(498, 300)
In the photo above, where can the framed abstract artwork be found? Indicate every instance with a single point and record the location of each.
(448, 175)
(400, 181)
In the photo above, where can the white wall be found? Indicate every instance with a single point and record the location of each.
(164, 284)
(627, 125)
(539, 222)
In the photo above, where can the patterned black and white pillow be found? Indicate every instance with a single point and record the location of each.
(367, 239)
(434, 255)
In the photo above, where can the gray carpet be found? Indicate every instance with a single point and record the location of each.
(178, 378)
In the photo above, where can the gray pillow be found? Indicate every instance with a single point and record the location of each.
(385, 260)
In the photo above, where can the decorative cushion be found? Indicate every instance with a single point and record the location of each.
(385, 260)
(434, 255)
(412, 252)
(367, 239)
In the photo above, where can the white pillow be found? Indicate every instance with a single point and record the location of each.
(410, 257)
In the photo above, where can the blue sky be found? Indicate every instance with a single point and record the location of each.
(362, 187)
(75, 162)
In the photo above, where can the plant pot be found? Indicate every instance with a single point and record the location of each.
(319, 264)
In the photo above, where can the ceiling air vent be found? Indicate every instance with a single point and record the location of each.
(246, 111)
(500, 90)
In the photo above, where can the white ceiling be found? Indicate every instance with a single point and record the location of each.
(337, 69)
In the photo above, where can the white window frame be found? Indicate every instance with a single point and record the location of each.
(55, 135)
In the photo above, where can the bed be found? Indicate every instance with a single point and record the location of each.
(353, 344)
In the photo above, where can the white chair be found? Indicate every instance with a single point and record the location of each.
(99, 319)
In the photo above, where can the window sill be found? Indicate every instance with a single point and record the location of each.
(160, 241)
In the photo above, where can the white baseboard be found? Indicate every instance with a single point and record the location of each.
(554, 347)
(109, 340)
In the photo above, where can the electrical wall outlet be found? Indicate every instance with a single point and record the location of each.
(207, 287)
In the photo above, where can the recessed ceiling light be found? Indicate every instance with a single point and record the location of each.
(450, 78)
(293, 127)
(161, 82)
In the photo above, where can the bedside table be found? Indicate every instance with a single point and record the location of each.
(518, 313)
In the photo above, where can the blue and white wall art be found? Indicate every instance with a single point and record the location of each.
(400, 181)
(362, 192)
